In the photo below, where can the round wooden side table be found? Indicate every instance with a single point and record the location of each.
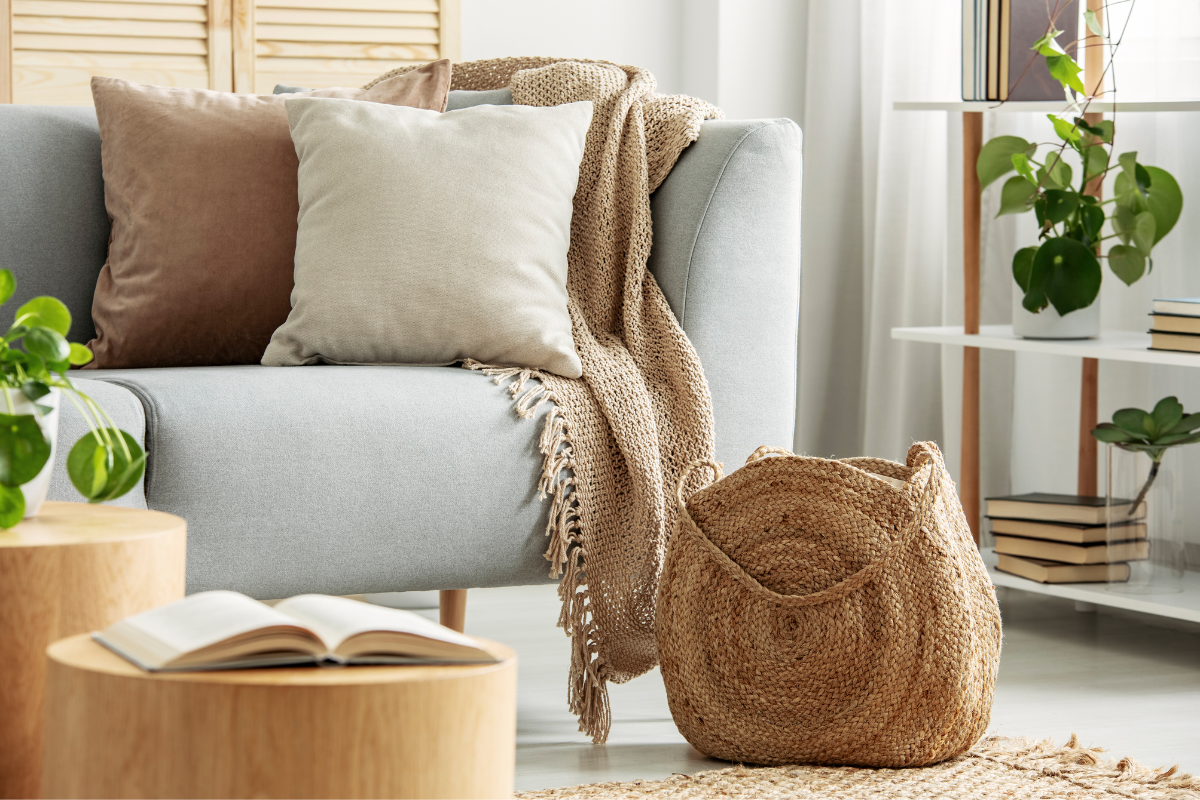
(74, 567)
(113, 730)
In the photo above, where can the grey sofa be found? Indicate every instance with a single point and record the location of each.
(375, 479)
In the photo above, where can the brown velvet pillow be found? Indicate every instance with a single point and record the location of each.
(201, 189)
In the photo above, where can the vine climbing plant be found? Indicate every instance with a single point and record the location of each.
(1075, 226)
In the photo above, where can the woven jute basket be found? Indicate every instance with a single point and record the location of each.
(813, 611)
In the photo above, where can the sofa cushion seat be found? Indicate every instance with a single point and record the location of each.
(333, 478)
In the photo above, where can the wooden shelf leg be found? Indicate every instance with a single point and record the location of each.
(452, 608)
(1089, 386)
(972, 218)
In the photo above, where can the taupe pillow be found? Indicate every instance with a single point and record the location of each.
(201, 189)
(430, 238)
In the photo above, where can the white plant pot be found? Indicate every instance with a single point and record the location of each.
(36, 489)
(1083, 323)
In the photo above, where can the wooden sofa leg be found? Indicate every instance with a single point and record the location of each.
(452, 608)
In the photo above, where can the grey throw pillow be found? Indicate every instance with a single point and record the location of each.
(428, 238)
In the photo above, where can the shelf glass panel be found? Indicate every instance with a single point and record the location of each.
(1181, 605)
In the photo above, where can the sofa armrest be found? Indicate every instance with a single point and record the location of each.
(727, 256)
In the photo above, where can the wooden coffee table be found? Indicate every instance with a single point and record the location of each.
(73, 568)
(113, 730)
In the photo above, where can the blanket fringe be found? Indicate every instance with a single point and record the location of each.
(587, 693)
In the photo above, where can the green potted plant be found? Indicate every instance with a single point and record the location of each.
(1058, 280)
(35, 358)
(1150, 432)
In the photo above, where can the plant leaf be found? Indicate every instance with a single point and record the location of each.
(47, 343)
(1134, 420)
(1064, 70)
(1127, 263)
(34, 390)
(1022, 268)
(49, 312)
(1060, 204)
(1124, 221)
(1020, 162)
(12, 506)
(1172, 439)
(1187, 424)
(1067, 272)
(1166, 415)
(79, 355)
(8, 285)
(1164, 200)
(1016, 197)
(1092, 219)
(23, 449)
(1109, 433)
(995, 158)
(101, 473)
(1093, 24)
(1095, 161)
(1066, 131)
(1056, 174)
(88, 466)
(1143, 232)
(1140, 179)
(1047, 45)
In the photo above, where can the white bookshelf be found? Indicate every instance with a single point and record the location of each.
(1048, 107)
(1180, 605)
(1109, 346)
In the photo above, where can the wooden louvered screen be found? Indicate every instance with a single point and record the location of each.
(50, 49)
(321, 43)
(58, 45)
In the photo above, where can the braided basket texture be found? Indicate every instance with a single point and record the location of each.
(812, 612)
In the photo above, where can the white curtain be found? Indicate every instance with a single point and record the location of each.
(882, 244)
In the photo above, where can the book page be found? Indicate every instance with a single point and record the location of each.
(204, 619)
(336, 619)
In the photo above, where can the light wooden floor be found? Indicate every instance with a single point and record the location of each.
(1124, 682)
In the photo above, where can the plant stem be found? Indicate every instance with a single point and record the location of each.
(8, 400)
(1154, 465)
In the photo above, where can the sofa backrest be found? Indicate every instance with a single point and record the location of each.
(53, 225)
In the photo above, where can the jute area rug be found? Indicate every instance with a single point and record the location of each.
(1013, 769)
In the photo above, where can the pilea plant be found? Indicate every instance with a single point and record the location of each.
(1150, 432)
(34, 359)
(1064, 269)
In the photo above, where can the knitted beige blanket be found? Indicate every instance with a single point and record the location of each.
(616, 439)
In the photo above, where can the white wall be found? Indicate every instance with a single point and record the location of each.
(645, 33)
(746, 56)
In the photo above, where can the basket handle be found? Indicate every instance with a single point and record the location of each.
(849, 583)
(767, 450)
(715, 466)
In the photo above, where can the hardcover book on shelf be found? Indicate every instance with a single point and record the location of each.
(1180, 306)
(1042, 571)
(1071, 533)
(1023, 72)
(974, 48)
(1099, 553)
(228, 630)
(1174, 323)
(1179, 342)
(1072, 508)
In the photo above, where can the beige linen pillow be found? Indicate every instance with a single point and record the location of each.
(201, 189)
(429, 238)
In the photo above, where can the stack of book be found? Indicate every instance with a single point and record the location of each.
(1175, 324)
(1063, 538)
(997, 60)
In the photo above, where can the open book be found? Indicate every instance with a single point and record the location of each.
(228, 630)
